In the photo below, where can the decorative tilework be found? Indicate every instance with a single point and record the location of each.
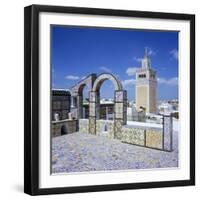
(118, 128)
(92, 125)
(154, 139)
(119, 96)
(100, 128)
(83, 125)
(167, 123)
(119, 110)
(133, 136)
(92, 109)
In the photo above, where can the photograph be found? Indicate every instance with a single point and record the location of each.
(114, 99)
(109, 99)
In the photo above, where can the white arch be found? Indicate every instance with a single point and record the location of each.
(68, 90)
(107, 76)
(87, 81)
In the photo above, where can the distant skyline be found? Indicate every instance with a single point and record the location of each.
(80, 51)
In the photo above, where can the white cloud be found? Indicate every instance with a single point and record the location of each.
(105, 69)
(83, 77)
(171, 81)
(131, 71)
(72, 77)
(174, 53)
(128, 82)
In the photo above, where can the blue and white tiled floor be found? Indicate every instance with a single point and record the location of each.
(80, 152)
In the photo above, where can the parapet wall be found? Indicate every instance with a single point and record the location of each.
(64, 127)
(147, 137)
(105, 128)
(142, 136)
(83, 125)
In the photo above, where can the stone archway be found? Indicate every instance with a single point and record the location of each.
(120, 101)
(77, 94)
(63, 130)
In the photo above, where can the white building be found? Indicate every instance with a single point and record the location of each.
(166, 108)
(134, 115)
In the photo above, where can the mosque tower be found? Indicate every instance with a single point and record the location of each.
(146, 86)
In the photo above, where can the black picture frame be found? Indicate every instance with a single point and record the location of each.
(31, 98)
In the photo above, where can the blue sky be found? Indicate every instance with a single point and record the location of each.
(79, 51)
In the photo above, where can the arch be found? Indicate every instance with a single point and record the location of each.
(81, 88)
(120, 105)
(69, 92)
(64, 130)
(88, 80)
(106, 76)
(83, 97)
(105, 127)
(77, 94)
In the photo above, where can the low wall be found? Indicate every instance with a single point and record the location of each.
(143, 136)
(84, 125)
(64, 127)
(152, 137)
(101, 130)
(133, 135)
(105, 128)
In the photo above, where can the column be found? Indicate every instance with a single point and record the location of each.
(80, 106)
(92, 112)
(83, 113)
(72, 102)
(73, 108)
(106, 113)
(98, 105)
(120, 112)
(167, 132)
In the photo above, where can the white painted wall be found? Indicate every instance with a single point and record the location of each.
(11, 87)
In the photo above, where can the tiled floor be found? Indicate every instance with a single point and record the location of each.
(79, 152)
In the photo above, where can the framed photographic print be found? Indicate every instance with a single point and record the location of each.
(109, 100)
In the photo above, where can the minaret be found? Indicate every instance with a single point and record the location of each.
(146, 86)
